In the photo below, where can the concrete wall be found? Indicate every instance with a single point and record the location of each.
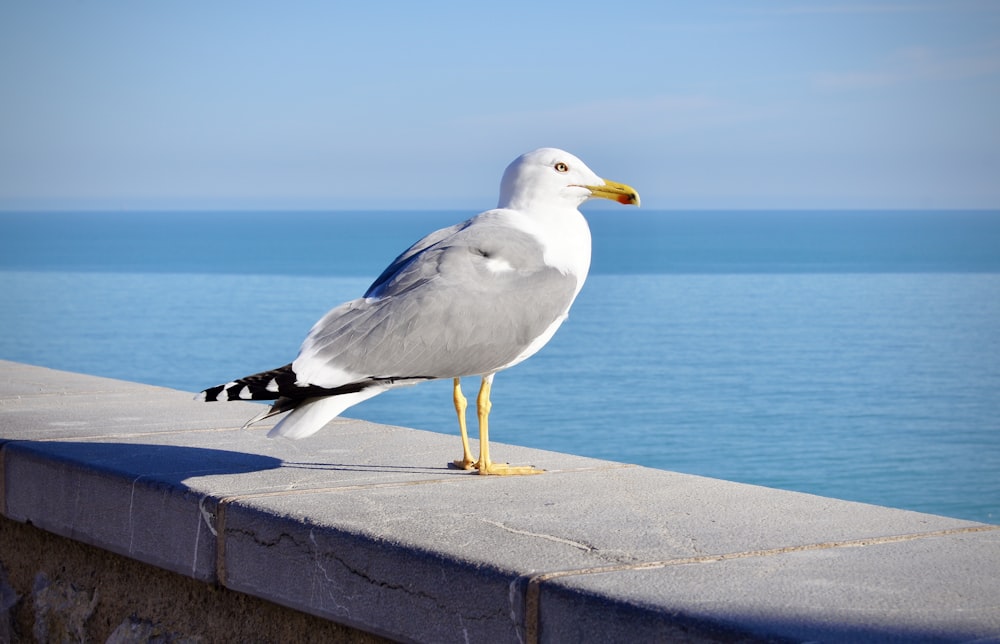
(160, 513)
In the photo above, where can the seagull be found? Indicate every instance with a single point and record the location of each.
(472, 299)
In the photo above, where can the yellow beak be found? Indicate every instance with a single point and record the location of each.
(615, 191)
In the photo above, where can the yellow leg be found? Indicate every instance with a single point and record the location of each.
(485, 465)
(466, 463)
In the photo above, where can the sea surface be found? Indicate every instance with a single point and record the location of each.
(847, 354)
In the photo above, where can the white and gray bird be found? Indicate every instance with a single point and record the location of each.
(469, 300)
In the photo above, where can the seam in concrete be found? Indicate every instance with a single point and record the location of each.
(131, 517)
(220, 540)
(3, 479)
(532, 594)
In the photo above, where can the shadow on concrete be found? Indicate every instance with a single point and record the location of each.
(176, 463)
(166, 463)
(380, 467)
(798, 621)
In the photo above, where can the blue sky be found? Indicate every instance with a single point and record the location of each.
(764, 104)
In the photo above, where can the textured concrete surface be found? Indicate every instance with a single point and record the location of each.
(365, 525)
(65, 591)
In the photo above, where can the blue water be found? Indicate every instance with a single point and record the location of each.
(847, 354)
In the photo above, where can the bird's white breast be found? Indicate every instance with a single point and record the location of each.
(564, 236)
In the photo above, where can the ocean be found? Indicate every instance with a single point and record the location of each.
(847, 354)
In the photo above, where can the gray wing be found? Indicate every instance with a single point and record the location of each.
(407, 256)
(450, 308)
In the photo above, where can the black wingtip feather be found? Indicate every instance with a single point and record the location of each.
(282, 385)
(212, 393)
(266, 385)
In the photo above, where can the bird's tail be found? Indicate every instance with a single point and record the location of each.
(266, 385)
(309, 416)
(311, 406)
(280, 385)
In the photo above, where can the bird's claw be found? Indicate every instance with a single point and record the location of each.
(463, 464)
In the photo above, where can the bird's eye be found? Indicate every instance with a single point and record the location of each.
(562, 167)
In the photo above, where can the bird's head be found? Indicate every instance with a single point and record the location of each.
(552, 177)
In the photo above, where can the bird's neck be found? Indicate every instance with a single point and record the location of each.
(565, 236)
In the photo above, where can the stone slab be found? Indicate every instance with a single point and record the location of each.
(488, 538)
(931, 588)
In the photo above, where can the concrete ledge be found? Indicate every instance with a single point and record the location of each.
(364, 525)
